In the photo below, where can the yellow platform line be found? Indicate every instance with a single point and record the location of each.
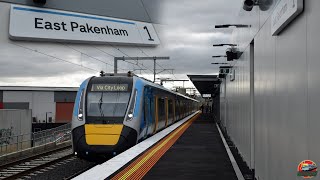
(146, 158)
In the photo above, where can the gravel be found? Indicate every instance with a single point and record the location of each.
(61, 170)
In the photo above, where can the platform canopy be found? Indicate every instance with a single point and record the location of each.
(206, 84)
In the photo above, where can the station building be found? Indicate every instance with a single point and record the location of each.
(47, 104)
(270, 102)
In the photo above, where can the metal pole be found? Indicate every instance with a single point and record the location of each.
(138, 58)
(154, 70)
(115, 65)
(46, 119)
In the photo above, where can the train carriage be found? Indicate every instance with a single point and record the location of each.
(113, 113)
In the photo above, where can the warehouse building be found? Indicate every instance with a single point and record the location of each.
(48, 104)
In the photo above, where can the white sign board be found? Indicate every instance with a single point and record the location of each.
(30, 23)
(233, 75)
(206, 95)
(285, 12)
(224, 70)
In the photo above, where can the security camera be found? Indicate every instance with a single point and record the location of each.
(232, 54)
(248, 4)
(265, 5)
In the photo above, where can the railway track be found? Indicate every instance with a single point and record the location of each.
(22, 168)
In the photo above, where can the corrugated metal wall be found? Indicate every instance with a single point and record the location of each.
(1, 99)
(15, 122)
(41, 103)
(286, 93)
(238, 121)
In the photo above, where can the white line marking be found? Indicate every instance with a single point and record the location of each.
(109, 167)
(233, 161)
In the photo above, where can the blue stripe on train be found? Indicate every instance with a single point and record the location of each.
(139, 87)
(76, 103)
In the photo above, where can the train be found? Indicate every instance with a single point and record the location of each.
(115, 112)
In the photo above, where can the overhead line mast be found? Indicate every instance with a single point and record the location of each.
(154, 58)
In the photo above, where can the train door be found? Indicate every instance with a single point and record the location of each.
(170, 110)
(166, 112)
(161, 112)
(156, 114)
(149, 111)
(177, 110)
(174, 111)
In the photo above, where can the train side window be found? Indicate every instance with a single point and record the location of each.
(177, 110)
(162, 110)
(170, 110)
(146, 107)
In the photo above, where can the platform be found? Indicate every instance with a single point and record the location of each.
(194, 150)
(197, 153)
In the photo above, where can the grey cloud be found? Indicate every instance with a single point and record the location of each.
(185, 27)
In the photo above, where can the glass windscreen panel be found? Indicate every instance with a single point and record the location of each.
(106, 102)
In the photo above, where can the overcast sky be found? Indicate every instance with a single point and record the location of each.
(185, 27)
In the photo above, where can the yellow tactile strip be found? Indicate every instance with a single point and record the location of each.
(138, 168)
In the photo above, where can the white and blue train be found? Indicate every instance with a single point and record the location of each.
(113, 113)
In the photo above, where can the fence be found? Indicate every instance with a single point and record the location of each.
(21, 142)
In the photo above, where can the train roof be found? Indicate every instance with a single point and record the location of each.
(129, 74)
(165, 89)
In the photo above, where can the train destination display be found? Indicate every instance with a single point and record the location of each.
(109, 87)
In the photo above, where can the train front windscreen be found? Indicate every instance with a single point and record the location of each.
(107, 103)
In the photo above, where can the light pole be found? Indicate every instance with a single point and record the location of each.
(47, 118)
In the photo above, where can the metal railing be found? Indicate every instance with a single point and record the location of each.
(21, 142)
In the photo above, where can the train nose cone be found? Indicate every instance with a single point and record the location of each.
(100, 134)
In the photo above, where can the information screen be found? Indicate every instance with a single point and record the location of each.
(109, 87)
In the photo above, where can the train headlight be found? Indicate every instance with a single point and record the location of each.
(132, 106)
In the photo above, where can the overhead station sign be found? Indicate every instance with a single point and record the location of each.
(30, 23)
(285, 12)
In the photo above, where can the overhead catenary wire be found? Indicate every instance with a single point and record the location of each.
(54, 57)
(119, 51)
(131, 58)
(83, 53)
(87, 54)
(156, 62)
(127, 56)
(115, 56)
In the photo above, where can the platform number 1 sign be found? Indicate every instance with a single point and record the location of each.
(44, 24)
(150, 38)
